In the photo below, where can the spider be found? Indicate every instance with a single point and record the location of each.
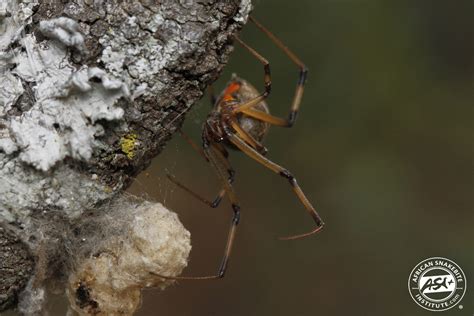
(239, 120)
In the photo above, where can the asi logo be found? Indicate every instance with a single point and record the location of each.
(437, 284)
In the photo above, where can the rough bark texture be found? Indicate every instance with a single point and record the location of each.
(90, 92)
(16, 265)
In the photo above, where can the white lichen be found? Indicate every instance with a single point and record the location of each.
(11, 90)
(65, 30)
(156, 21)
(7, 145)
(244, 11)
(13, 17)
(21, 191)
(63, 120)
(143, 63)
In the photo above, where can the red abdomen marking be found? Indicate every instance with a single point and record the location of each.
(232, 88)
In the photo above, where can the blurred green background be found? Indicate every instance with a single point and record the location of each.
(383, 147)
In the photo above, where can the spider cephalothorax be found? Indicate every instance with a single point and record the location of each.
(240, 119)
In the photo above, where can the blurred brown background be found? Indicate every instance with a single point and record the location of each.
(383, 147)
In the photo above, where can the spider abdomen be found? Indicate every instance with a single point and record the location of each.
(255, 128)
(240, 91)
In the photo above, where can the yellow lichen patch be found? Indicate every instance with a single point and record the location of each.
(128, 143)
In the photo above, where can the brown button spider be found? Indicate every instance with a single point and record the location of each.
(239, 120)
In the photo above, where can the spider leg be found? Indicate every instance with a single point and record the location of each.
(220, 170)
(295, 105)
(266, 79)
(268, 118)
(248, 138)
(197, 148)
(252, 153)
(213, 204)
(221, 154)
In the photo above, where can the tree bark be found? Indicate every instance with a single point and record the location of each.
(90, 92)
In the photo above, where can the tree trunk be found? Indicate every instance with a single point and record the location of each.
(90, 92)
